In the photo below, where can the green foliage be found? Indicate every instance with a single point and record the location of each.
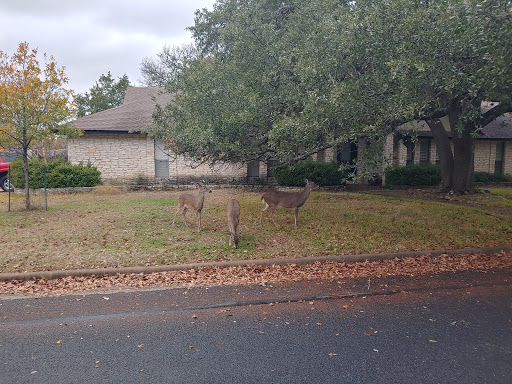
(487, 177)
(280, 80)
(321, 173)
(105, 94)
(59, 174)
(414, 174)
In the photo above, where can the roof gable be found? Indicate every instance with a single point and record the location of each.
(135, 113)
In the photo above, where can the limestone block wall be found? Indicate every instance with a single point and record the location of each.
(180, 167)
(123, 157)
(117, 156)
(485, 156)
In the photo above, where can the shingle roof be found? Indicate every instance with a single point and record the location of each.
(135, 113)
(500, 128)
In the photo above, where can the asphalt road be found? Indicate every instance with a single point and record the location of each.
(449, 328)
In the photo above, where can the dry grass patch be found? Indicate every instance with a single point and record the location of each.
(93, 230)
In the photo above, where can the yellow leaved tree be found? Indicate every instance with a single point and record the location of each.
(34, 105)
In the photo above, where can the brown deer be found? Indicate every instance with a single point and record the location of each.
(192, 202)
(295, 200)
(233, 221)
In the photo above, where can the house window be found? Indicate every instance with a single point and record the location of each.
(347, 153)
(500, 158)
(270, 165)
(161, 161)
(424, 151)
(253, 169)
(410, 152)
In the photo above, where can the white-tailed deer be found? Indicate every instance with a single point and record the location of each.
(233, 221)
(192, 202)
(295, 200)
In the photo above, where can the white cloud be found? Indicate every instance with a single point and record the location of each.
(94, 37)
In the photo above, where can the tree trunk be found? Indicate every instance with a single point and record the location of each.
(463, 171)
(444, 150)
(463, 152)
(25, 171)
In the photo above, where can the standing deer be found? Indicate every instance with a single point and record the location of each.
(193, 202)
(295, 200)
(233, 221)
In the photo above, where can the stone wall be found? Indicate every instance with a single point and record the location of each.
(485, 156)
(117, 156)
(124, 157)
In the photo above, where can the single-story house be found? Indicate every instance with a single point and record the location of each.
(414, 143)
(112, 141)
(492, 153)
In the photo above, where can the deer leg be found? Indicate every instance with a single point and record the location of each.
(262, 211)
(198, 214)
(296, 211)
(272, 216)
(184, 211)
(230, 234)
(177, 211)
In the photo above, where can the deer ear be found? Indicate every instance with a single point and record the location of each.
(306, 180)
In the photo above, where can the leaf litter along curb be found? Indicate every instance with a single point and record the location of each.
(255, 274)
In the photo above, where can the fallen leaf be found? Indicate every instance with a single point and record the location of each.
(140, 346)
(433, 341)
(332, 354)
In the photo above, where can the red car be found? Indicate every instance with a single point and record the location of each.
(4, 176)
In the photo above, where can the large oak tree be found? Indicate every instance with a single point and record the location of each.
(284, 79)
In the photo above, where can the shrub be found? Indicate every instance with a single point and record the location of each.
(487, 177)
(321, 173)
(59, 174)
(414, 174)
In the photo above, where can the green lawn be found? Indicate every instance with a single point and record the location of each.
(111, 229)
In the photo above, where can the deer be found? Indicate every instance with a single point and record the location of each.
(233, 221)
(193, 202)
(274, 199)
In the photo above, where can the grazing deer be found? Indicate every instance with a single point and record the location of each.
(233, 221)
(295, 200)
(193, 202)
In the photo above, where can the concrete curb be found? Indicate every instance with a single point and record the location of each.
(49, 275)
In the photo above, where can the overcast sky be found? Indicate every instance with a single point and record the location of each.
(92, 37)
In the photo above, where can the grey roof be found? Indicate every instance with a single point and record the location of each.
(500, 128)
(135, 113)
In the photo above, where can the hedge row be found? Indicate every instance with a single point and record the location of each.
(486, 177)
(59, 174)
(414, 174)
(322, 173)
